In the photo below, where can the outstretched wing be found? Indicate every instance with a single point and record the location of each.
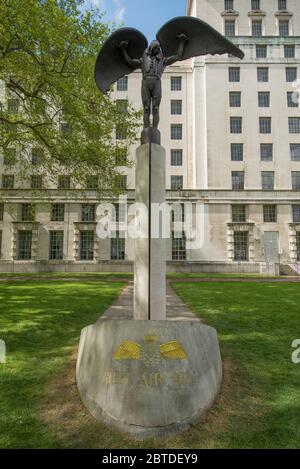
(128, 350)
(110, 64)
(203, 39)
(172, 351)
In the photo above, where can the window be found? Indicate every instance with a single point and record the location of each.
(295, 151)
(24, 245)
(255, 4)
(292, 99)
(265, 125)
(267, 180)
(121, 181)
(296, 213)
(263, 99)
(298, 245)
(237, 152)
(229, 28)
(36, 181)
(176, 107)
(121, 156)
(284, 27)
(291, 74)
(64, 182)
(289, 51)
(86, 245)
(117, 248)
(56, 244)
(294, 125)
(257, 28)
(241, 245)
(1, 211)
(27, 212)
(36, 156)
(176, 183)
(235, 125)
(238, 180)
(178, 247)
(9, 156)
(176, 131)
(13, 106)
(122, 105)
(238, 213)
(119, 215)
(261, 52)
(88, 212)
(176, 157)
(177, 213)
(270, 213)
(266, 152)
(296, 180)
(7, 181)
(262, 74)
(176, 83)
(122, 84)
(92, 183)
(235, 99)
(282, 5)
(120, 133)
(234, 74)
(228, 5)
(58, 212)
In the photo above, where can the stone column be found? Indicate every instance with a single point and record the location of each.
(150, 258)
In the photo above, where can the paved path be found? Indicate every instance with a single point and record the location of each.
(122, 308)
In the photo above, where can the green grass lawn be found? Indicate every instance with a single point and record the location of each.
(260, 402)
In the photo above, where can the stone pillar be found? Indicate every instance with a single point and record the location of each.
(150, 257)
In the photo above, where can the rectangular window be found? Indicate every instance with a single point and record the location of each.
(176, 183)
(177, 213)
(1, 211)
(88, 212)
(27, 212)
(9, 156)
(262, 74)
(24, 245)
(7, 181)
(176, 131)
(86, 245)
(58, 212)
(292, 99)
(234, 74)
(296, 213)
(121, 133)
(261, 52)
(229, 28)
(228, 5)
(263, 99)
(36, 182)
(178, 246)
(284, 28)
(64, 182)
(122, 84)
(298, 245)
(289, 51)
(295, 151)
(296, 180)
(117, 248)
(122, 105)
(267, 180)
(56, 245)
(238, 213)
(121, 156)
(92, 183)
(266, 151)
(238, 180)
(241, 246)
(176, 83)
(257, 28)
(255, 4)
(176, 157)
(13, 106)
(270, 213)
(176, 107)
(291, 74)
(235, 99)
(294, 125)
(236, 125)
(121, 181)
(237, 152)
(36, 156)
(265, 125)
(282, 5)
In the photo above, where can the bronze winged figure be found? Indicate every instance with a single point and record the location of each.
(181, 38)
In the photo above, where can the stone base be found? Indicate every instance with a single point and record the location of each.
(148, 378)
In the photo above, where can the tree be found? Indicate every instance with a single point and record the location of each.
(52, 110)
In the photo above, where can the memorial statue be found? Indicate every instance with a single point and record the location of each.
(127, 50)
